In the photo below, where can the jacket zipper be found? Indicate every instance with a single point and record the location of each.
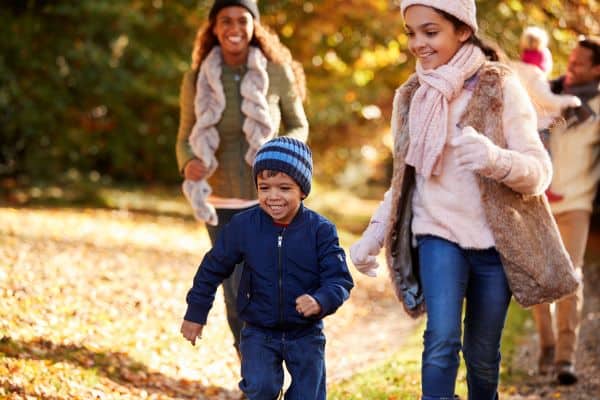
(280, 267)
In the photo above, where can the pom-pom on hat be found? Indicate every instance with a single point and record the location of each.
(287, 155)
(464, 10)
(249, 5)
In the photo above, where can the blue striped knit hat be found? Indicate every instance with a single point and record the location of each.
(287, 155)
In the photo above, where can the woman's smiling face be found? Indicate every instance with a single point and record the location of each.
(234, 28)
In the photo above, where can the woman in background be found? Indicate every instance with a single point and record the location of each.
(243, 85)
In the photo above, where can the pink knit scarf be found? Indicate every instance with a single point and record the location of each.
(428, 115)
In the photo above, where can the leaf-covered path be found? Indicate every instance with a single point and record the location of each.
(91, 301)
(530, 386)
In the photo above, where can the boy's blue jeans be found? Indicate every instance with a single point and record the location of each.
(450, 274)
(265, 350)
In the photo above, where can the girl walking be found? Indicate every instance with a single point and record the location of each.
(465, 217)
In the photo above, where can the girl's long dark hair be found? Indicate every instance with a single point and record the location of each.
(490, 52)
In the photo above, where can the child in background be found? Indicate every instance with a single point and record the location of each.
(294, 275)
(465, 219)
(533, 70)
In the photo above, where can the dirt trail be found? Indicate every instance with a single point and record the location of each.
(534, 387)
(118, 282)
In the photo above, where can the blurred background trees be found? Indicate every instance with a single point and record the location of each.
(89, 88)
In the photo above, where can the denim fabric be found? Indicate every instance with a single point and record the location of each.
(231, 284)
(449, 275)
(265, 350)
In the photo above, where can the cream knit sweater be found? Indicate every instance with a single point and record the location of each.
(449, 205)
(576, 160)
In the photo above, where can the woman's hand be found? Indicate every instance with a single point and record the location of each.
(195, 170)
(191, 331)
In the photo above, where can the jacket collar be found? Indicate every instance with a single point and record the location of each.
(297, 221)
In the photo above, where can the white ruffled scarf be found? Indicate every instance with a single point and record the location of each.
(209, 105)
(428, 115)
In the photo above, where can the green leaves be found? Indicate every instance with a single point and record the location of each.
(93, 84)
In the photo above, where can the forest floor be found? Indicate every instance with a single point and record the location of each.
(532, 386)
(91, 301)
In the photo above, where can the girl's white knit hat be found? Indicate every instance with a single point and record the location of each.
(464, 10)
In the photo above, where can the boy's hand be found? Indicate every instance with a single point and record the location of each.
(191, 330)
(306, 305)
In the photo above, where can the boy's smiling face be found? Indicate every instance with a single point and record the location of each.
(278, 195)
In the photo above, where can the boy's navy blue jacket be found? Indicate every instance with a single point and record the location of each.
(280, 264)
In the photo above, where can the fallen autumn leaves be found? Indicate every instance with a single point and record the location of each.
(91, 302)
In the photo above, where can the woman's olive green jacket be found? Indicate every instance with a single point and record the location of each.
(233, 177)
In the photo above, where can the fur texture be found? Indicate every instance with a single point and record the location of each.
(536, 263)
(428, 116)
(209, 105)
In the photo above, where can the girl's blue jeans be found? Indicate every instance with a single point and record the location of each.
(265, 350)
(450, 274)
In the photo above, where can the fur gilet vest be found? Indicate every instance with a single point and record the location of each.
(534, 258)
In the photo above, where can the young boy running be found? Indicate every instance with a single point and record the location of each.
(294, 275)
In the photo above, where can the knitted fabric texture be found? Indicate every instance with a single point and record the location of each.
(464, 10)
(249, 5)
(289, 156)
(209, 105)
(428, 118)
(535, 261)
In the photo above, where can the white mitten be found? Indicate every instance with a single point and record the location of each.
(567, 101)
(475, 152)
(363, 253)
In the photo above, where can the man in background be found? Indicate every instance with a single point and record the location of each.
(575, 149)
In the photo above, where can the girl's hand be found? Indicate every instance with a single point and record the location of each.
(363, 255)
(306, 305)
(475, 152)
(194, 170)
(191, 330)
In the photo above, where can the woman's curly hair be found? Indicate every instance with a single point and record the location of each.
(264, 38)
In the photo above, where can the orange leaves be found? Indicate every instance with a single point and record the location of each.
(91, 303)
